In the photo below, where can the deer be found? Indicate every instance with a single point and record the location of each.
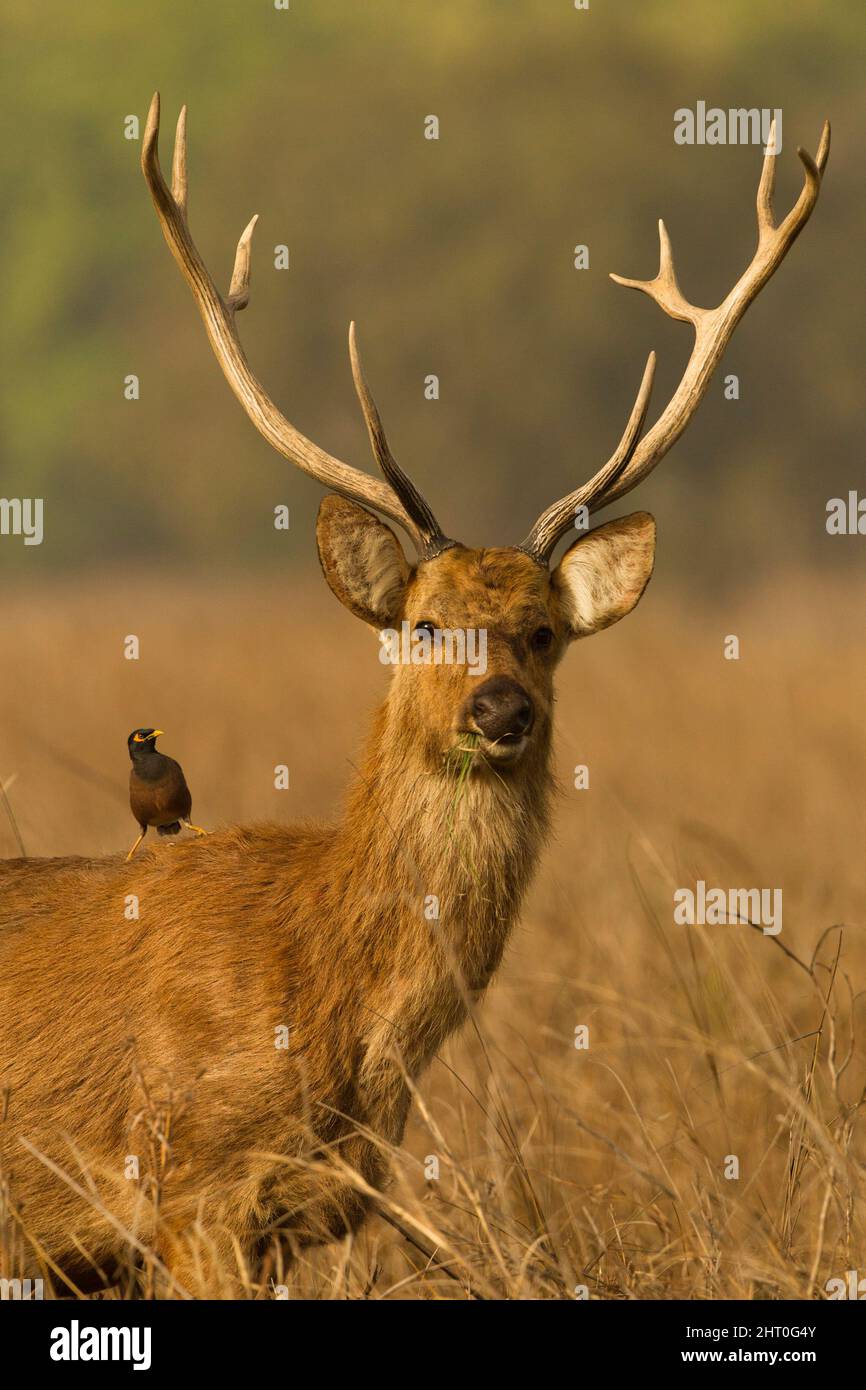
(363, 944)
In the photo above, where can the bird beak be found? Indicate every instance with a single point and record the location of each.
(156, 733)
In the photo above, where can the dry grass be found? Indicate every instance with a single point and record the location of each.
(558, 1167)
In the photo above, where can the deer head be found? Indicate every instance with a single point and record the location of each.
(529, 609)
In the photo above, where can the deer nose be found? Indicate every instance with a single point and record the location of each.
(501, 708)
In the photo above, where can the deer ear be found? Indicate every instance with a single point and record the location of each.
(362, 561)
(601, 577)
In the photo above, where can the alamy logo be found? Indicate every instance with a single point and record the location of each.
(23, 1290)
(712, 907)
(22, 516)
(846, 516)
(738, 125)
(77, 1343)
(426, 645)
(852, 1286)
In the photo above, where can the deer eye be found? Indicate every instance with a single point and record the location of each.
(425, 626)
(542, 639)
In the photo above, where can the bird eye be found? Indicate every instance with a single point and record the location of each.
(542, 639)
(425, 626)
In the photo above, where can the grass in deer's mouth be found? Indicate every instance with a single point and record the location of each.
(458, 762)
(459, 759)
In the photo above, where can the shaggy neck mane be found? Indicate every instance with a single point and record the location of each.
(445, 850)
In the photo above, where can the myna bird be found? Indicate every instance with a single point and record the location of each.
(158, 793)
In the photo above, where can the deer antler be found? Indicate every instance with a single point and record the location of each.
(633, 460)
(396, 498)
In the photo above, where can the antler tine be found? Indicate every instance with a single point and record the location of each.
(713, 331)
(218, 316)
(178, 163)
(813, 170)
(239, 289)
(418, 509)
(553, 524)
(766, 186)
(664, 289)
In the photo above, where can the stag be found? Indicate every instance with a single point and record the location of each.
(322, 935)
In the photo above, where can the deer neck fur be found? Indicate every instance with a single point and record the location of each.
(432, 869)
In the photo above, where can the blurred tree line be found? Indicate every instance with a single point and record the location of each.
(455, 257)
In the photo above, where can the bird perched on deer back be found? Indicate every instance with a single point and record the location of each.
(158, 793)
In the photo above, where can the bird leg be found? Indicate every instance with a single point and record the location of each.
(137, 843)
(197, 828)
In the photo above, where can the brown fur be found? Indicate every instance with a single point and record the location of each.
(325, 930)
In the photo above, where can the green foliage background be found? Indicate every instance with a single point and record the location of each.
(454, 257)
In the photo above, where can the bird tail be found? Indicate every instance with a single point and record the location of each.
(173, 829)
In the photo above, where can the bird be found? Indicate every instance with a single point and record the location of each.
(158, 793)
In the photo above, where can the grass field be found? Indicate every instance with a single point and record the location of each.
(559, 1168)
